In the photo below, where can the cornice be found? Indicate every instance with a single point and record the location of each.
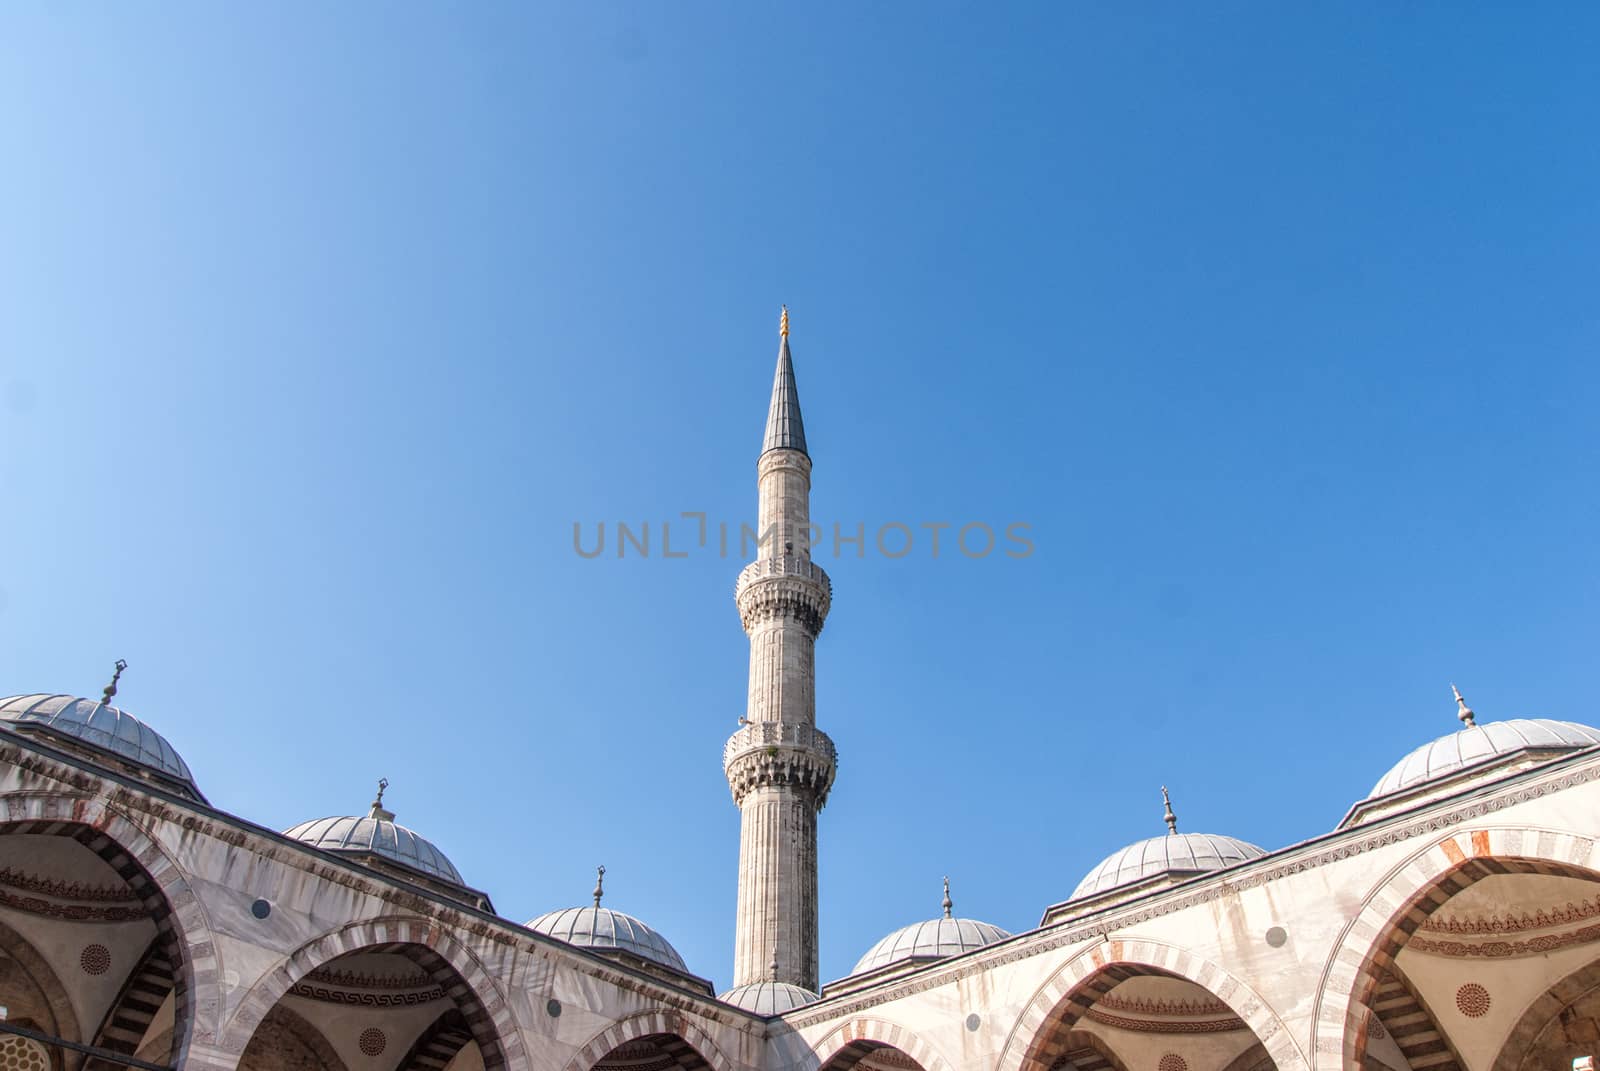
(1436, 817)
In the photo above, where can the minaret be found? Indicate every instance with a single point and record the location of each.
(779, 765)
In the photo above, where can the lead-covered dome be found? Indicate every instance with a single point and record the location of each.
(934, 939)
(768, 998)
(104, 729)
(377, 836)
(1176, 855)
(1480, 743)
(377, 840)
(603, 929)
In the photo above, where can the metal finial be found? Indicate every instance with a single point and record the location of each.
(111, 689)
(772, 968)
(783, 323)
(599, 884)
(1465, 713)
(947, 904)
(1172, 819)
(378, 812)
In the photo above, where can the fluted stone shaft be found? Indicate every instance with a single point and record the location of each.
(779, 766)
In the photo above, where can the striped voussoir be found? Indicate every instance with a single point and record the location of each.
(439, 1044)
(1412, 1025)
(1088, 1052)
(129, 1019)
(689, 1047)
(443, 959)
(1399, 905)
(182, 933)
(856, 1038)
(1041, 1035)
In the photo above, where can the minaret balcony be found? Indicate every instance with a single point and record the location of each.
(788, 586)
(776, 753)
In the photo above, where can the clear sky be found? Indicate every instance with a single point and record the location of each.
(321, 327)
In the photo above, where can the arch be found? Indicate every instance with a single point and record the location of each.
(1255, 1058)
(152, 872)
(40, 972)
(439, 1043)
(1043, 1025)
(1539, 1014)
(1081, 1041)
(286, 1021)
(1405, 896)
(446, 960)
(649, 1024)
(862, 1034)
(128, 1019)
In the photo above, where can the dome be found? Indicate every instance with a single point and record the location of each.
(1479, 743)
(102, 727)
(934, 939)
(378, 835)
(1174, 853)
(603, 929)
(768, 998)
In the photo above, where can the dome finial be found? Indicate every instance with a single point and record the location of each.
(1465, 713)
(378, 810)
(783, 323)
(111, 689)
(599, 884)
(947, 904)
(772, 967)
(1172, 819)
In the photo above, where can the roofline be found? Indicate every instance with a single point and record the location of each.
(1477, 766)
(436, 900)
(926, 975)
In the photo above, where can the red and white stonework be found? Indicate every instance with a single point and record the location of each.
(1452, 921)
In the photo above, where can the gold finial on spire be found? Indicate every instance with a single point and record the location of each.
(1465, 712)
(110, 690)
(947, 904)
(599, 884)
(783, 323)
(1172, 819)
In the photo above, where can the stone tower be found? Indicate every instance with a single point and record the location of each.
(779, 765)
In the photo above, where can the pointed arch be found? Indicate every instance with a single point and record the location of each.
(163, 887)
(146, 988)
(1539, 1014)
(1037, 1037)
(39, 971)
(648, 1024)
(1406, 896)
(860, 1035)
(1100, 1054)
(438, 1044)
(425, 942)
(284, 1024)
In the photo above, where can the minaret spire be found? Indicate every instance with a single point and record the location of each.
(785, 429)
(779, 765)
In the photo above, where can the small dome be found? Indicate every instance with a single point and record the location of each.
(1175, 853)
(768, 998)
(934, 939)
(601, 928)
(378, 836)
(104, 728)
(1479, 743)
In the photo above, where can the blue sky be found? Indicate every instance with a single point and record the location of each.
(320, 328)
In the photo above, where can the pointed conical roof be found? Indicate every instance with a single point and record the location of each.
(785, 429)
